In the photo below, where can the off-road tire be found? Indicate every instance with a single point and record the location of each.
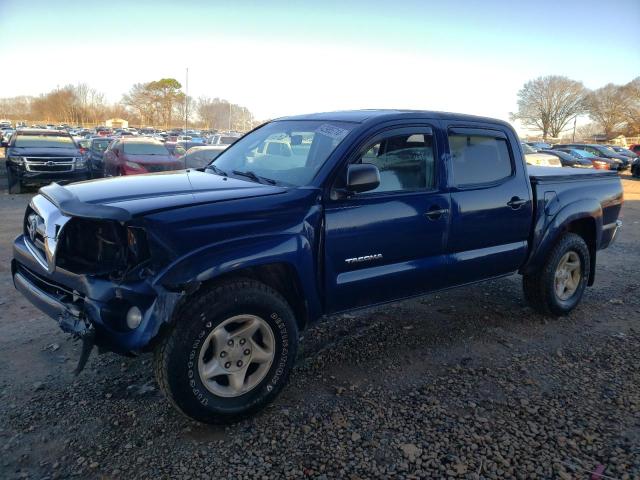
(176, 356)
(539, 286)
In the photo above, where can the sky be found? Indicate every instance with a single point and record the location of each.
(288, 57)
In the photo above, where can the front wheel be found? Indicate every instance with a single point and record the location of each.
(557, 287)
(229, 352)
(14, 184)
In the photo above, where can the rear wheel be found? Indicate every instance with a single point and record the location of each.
(557, 287)
(229, 353)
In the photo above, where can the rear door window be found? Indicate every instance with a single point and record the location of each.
(478, 157)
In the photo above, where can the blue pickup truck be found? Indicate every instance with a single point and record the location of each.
(218, 270)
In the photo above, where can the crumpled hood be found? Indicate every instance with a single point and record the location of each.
(139, 194)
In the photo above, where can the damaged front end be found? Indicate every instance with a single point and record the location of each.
(94, 276)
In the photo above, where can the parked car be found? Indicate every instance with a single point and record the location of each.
(37, 157)
(634, 159)
(224, 139)
(175, 149)
(196, 137)
(218, 271)
(569, 160)
(539, 145)
(5, 134)
(95, 155)
(186, 145)
(135, 155)
(599, 163)
(198, 157)
(620, 162)
(119, 132)
(533, 157)
(83, 143)
(635, 148)
(623, 151)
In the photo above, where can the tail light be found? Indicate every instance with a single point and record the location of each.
(600, 165)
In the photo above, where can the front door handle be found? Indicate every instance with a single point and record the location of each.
(516, 202)
(435, 213)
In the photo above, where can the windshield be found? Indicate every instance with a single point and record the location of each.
(200, 158)
(43, 140)
(527, 149)
(101, 145)
(144, 148)
(288, 151)
(227, 140)
(605, 148)
(584, 154)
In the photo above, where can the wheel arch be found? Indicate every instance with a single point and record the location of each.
(583, 218)
(284, 263)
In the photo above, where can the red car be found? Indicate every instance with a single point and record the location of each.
(134, 155)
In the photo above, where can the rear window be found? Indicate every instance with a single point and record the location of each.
(478, 159)
(204, 155)
(144, 148)
(43, 140)
(228, 140)
(101, 145)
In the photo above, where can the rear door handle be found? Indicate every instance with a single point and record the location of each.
(435, 213)
(516, 202)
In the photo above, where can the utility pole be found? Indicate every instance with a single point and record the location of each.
(186, 103)
(573, 138)
(229, 116)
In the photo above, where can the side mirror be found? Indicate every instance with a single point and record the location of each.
(362, 177)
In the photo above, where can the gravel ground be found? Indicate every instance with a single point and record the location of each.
(464, 384)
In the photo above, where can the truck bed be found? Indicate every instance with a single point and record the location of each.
(562, 194)
(550, 174)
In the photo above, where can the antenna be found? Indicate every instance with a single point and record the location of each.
(186, 103)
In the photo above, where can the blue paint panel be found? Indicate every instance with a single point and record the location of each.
(201, 226)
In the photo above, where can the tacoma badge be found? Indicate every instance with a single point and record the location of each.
(366, 258)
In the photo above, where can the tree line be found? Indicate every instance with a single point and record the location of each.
(551, 104)
(159, 103)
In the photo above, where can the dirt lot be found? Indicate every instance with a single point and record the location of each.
(469, 384)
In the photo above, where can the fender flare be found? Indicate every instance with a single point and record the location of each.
(556, 225)
(217, 259)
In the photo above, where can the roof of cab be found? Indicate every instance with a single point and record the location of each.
(41, 131)
(361, 116)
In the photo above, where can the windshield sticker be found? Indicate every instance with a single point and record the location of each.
(332, 131)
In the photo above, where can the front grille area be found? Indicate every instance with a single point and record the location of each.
(157, 167)
(49, 164)
(34, 232)
(89, 246)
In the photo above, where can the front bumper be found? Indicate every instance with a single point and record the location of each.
(45, 178)
(610, 233)
(80, 303)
